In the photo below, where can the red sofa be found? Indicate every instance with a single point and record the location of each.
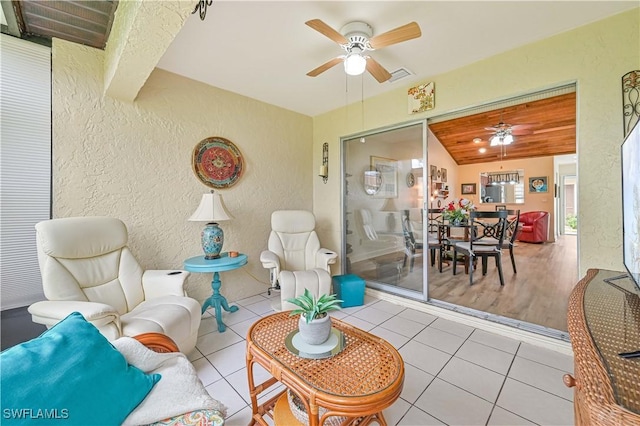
(535, 227)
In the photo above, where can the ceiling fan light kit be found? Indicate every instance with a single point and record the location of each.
(354, 64)
(502, 137)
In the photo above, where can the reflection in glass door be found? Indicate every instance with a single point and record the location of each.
(383, 208)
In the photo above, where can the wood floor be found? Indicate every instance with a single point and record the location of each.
(537, 294)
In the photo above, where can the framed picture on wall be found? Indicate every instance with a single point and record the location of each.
(444, 174)
(468, 189)
(388, 169)
(538, 184)
(433, 172)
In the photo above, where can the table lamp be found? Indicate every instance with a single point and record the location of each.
(211, 210)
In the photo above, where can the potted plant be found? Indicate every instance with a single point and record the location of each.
(314, 323)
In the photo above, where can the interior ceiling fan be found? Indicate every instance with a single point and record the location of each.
(356, 38)
(504, 133)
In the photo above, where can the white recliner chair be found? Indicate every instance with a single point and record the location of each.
(294, 256)
(87, 267)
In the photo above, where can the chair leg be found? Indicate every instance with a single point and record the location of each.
(440, 260)
(499, 266)
(411, 264)
(455, 258)
(484, 265)
(470, 268)
(433, 256)
(513, 260)
(404, 262)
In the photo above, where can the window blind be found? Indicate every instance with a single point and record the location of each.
(25, 166)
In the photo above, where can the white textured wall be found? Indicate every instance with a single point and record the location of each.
(133, 161)
(596, 56)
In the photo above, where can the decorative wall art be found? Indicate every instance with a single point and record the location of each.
(411, 180)
(217, 162)
(388, 169)
(421, 98)
(433, 172)
(443, 175)
(538, 184)
(630, 100)
(468, 189)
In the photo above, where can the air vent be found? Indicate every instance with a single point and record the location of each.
(398, 74)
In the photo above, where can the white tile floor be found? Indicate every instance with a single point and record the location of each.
(454, 374)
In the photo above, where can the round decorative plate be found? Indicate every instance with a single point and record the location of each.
(411, 179)
(333, 346)
(217, 162)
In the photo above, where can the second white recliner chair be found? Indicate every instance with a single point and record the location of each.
(294, 256)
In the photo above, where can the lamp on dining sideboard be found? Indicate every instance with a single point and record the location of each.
(212, 211)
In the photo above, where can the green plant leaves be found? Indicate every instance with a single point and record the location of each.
(311, 308)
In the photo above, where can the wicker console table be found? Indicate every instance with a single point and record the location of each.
(604, 320)
(358, 383)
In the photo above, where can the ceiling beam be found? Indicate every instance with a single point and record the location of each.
(141, 33)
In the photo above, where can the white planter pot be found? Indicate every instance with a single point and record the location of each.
(317, 331)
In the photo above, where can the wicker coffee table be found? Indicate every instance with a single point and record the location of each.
(357, 384)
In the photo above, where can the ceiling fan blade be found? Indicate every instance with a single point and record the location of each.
(398, 35)
(377, 71)
(326, 30)
(322, 68)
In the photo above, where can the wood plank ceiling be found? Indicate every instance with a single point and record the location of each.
(84, 22)
(542, 128)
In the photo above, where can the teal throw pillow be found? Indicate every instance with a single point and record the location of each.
(69, 375)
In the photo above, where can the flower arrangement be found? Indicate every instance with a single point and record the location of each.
(458, 210)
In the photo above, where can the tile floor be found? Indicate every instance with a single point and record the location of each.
(454, 374)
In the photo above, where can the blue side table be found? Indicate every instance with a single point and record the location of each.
(224, 263)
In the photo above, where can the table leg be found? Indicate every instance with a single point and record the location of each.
(218, 302)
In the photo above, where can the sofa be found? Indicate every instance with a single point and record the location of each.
(535, 227)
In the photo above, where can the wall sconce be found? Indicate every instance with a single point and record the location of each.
(324, 168)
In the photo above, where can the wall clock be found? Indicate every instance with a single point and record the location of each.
(411, 180)
(217, 162)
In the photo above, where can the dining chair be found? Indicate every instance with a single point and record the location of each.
(479, 229)
(436, 240)
(513, 228)
(413, 247)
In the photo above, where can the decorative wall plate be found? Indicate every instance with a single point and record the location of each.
(217, 162)
(411, 179)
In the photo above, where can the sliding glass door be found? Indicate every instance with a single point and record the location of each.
(383, 204)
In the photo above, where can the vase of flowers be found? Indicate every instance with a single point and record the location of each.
(457, 212)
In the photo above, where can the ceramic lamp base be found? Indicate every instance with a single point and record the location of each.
(212, 240)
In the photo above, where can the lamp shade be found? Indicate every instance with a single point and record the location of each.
(211, 209)
(389, 206)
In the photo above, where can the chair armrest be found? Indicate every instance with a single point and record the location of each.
(158, 283)
(50, 312)
(325, 257)
(271, 261)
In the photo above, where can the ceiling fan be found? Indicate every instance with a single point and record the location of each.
(504, 133)
(356, 38)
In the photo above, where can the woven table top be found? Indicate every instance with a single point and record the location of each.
(367, 365)
(612, 313)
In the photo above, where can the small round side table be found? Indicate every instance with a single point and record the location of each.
(224, 263)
